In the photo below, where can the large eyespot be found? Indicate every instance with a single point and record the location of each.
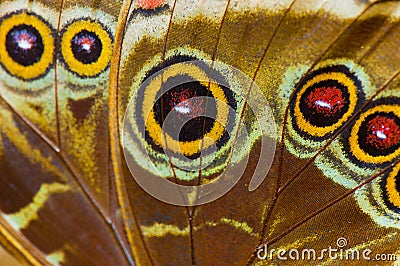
(326, 99)
(86, 47)
(375, 137)
(27, 47)
(188, 104)
(184, 113)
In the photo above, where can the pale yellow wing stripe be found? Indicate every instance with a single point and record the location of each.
(161, 230)
(22, 143)
(22, 218)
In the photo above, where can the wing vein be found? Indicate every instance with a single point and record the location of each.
(333, 202)
(341, 129)
(281, 148)
(213, 57)
(56, 105)
(115, 148)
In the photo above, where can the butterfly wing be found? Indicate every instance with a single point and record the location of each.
(55, 199)
(69, 195)
(301, 198)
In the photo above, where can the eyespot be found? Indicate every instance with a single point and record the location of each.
(381, 198)
(28, 46)
(86, 47)
(189, 104)
(375, 136)
(390, 186)
(326, 99)
(205, 98)
(322, 101)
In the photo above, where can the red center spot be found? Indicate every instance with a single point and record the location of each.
(383, 132)
(150, 4)
(184, 102)
(326, 100)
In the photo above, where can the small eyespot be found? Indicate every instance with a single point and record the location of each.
(86, 47)
(326, 99)
(375, 136)
(24, 45)
(28, 46)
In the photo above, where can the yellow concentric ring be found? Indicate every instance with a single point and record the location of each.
(187, 148)
(393, 194)
(353, 139)
(37, 69)
(94, 68)
(313, 130)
